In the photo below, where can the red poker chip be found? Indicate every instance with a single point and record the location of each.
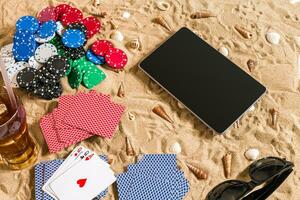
(47, 14)
(100, 47)
(92, 25)
(61, 9)
(71, 15)
(115, 58)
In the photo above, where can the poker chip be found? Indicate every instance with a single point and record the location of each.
(13, 70)
(26, 78)
(48, 92)
(24, 37)
(78, 26)
(92, 25)
(75, 78)
(71, 15)
(73, 38)
(47, 14)
(46, 77)
(44, 40)
(92, 78)
(33, 63)
(47, 29)
(61, 9)
(44, 52)
(116, 58)
(27, 23)
(75, 53)
(100, 47)
(98, 60)
(23, 51)
(59, 28)
(57, 65)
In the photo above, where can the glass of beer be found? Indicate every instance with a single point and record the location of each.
(17, 148)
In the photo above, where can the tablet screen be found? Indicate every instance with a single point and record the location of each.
(211, 86)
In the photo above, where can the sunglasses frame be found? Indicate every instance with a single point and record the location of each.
(271, 183)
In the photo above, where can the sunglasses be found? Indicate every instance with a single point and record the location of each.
(270, 170)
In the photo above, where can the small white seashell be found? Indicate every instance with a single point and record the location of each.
(175, 148)
(273, 37)
(117, 35)
(162, 5)
(252, 108)
(252, 154)
(126, 15)
(224, 51)
(297, 39)
(131, 116)
(294, 1)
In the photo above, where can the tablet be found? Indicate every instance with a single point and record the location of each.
(211, 86)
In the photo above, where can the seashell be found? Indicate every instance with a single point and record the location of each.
(252, 108)
(121, 91)
(224, 51)
(227, 164)
(273, 37)
(175, 148)
(245, 33)
(110, 161)
(98, 14)
(251, 64)
(129, 148)
(294, 1)
(180, 105)
(252, 154)
(162, 5)
(199, 173)
(161, 21)
(117, 35)
(131, 116)
(126, 15)
(134, 44)
(236, 124)
(202, 14)
(274, 114)
(96, 2)
(159, 110)
(114, 25)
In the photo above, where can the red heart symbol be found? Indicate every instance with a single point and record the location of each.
(81, 182)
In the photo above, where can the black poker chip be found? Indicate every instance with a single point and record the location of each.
(75, 53)
(78, 26)
(44, 73)
(58, 65)
(48, 92)
(26, 78)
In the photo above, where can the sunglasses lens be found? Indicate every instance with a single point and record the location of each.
(230, 190)
(264, 169)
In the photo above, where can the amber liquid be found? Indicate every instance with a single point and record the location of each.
(17, 148)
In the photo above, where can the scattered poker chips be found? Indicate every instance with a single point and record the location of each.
(100, 47)
(92, 25)
(73, 38)
(44, 52)
(98, 60)
(71, 15)
(27, 23)
(47, 14)
(26, 78)
(116, 58)
(47, 29)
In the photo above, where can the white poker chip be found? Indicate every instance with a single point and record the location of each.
(13, 70)
(7, 55)
(33, 63)
(44, 40)
(44, 52)
(60, 28)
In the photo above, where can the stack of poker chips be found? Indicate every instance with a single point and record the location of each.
(60, 30)
(155, 176)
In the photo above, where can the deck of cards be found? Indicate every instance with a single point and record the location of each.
(79, 117)
(155, 176)
(83, 175)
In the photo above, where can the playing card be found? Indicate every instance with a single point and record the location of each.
(102, 121)
(85, 180)
(50, 168)
(39, 181)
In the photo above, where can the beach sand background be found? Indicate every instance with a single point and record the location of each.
(278, 69)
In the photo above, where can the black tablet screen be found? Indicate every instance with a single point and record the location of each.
(206, 82)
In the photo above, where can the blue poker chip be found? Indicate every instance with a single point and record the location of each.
(23, 51)
(73, 38)
(47, 29)
(23, 37)
(27, 23)
(98, 60)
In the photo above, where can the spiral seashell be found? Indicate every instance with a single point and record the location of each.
(159, 110)
(199, 173)
(245, 33)
(274, 114)
(134, 44)
(96, 2)
(251, 64)
(202, 14)
(161, 21)
(227, 164)
(129, 148)
(121, 91)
